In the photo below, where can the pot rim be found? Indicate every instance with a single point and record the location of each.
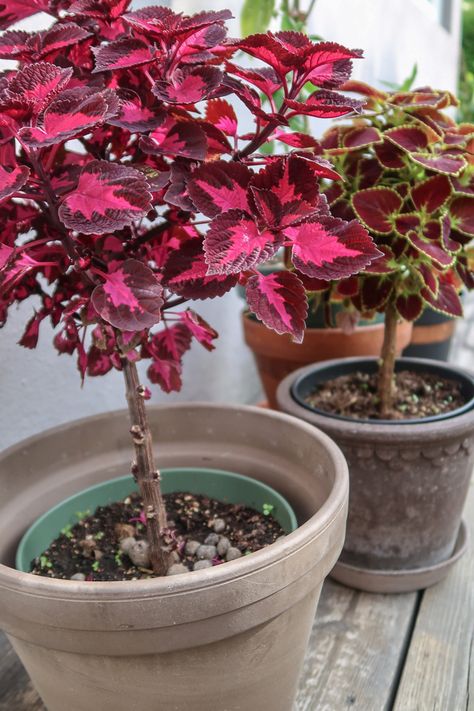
(459, 419)
(197, 580)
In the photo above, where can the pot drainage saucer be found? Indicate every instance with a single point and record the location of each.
(400, 581)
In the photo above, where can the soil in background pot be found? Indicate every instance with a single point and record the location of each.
(111, 543)
(417, 395)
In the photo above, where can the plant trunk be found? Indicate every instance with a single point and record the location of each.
(385, 385)
(144, 470)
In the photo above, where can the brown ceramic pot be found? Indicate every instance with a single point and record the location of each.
(232, 637)
(408, 483)
(276, 355)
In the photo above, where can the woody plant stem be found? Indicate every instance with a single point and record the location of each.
(385, 384)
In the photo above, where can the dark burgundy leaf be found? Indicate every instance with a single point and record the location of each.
(375, 292)
(408, 138)
(124, 53)
(445, 164)
(108, 197)
(325, 104)
(377, 208)
(431, 194)
(130, 298)
(328, 64)
(11, 182)
(384, 264)
(429, 277)
(330, 248)
(234, 243)
(279, 300)
(406, 222)
(431, 249)
(361, 136)
(409, 306)
(447, 300)
(188, 86)
(30, 335)
(389, 156)
(176, 138)
(219, 186)
(462, 214)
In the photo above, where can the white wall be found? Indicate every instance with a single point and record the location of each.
(39, 389)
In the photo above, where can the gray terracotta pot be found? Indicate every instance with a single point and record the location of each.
(408, 484)
(232, 637)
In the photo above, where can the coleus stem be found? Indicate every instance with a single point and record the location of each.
(386, 374)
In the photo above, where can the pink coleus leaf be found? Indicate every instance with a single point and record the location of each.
(385, 264)
(222, 115)
(33, 46)
(409, 306)
(297, 140)
(134, 116)
(330, 248)
(220, 186)
(108, 197)
(122, 54)
(444, 164)
(235, 243)
(186, 273)
(68, 115)
(12, 11)
(377, 207)
(328, 64)
(176, 138)
(11, 182)
(188, 85)
(324, 104)
(265, 79)
(462, 214)
(431, 194)
(272, 51)
(447, 300)
(408, 138)
(130, 298)
(165, 373)
(279, 300)
(200, 329)
(37, 83)
(172, 342)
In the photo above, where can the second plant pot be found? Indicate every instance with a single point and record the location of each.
(408, 481)
(276, 355)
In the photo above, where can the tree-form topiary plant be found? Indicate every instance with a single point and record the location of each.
(409, 178)
(114, 135)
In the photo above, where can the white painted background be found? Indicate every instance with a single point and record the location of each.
(39, 389)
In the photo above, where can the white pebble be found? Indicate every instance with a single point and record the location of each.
(191, 547)
(177, 569)
(223, 546)
(219, 525)
(206, 552)
(233, 554)
(78, 576)
(127, 543)
(201, 564)
(139, 554)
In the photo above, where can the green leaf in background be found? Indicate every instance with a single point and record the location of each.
(255, 16)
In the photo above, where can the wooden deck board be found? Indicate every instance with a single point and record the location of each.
(439, 668)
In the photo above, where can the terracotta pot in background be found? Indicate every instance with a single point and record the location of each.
(276, 355)
(231, 637)
(408, 482)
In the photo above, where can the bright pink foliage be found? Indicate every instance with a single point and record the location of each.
(128, 188)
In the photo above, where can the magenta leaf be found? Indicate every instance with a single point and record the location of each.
(12, 11)
(272, 51)
(176, 138)
(297, 140)
(165, 373)
(108, 197)
(124, 53)
(130, 298)
(330, 248)
(220, 186)
(186, 273)
(222, 115)
(188, 86)
(37, 83)
(234, 243)
(200, 329)
(328, 64)
(33, 46)
(11, 182)
(377, 208)
(134, 116)
(325, 104)
(279, 300)
(431, 194)
(462, 214)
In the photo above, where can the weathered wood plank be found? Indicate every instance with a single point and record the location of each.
(355, 650)
(439, 669)
(16, 690)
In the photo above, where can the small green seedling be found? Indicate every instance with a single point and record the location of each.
(267, 509)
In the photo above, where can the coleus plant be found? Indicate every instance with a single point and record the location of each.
(128, 189)
(409, 178)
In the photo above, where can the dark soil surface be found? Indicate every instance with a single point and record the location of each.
(417, 395)
(92, 547)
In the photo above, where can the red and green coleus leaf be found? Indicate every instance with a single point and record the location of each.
(446, 301)
(440, 163)
(389, 156)
(420, 99)
(71, 113)
(408, 138)
(375, 292)
(428, 277)
(222, 115)
(431, 249)
(279, 301)
(361, 137)
(465, 271)
(409, 306)
(377, 208)
(234, 243)
(324, 104)
(108, 197)
(385, 264)
(188, 85)
(464, 184)
(461, 212)
(12, 181)
(431, 194)
(176, 138)
(220, 186)
(329, 248)
(407, 222)
(186, 273)
(199, 328)
(34, 46)
(130, 297)
(122, 54)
